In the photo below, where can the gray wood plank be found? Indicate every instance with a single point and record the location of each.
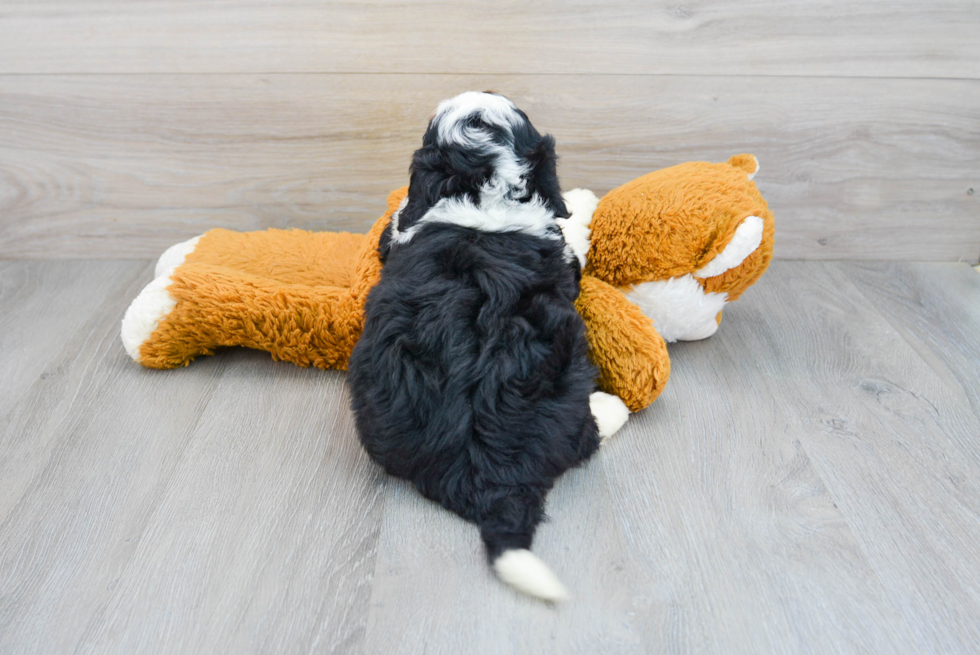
(124, 166)
(936, 309)
(806, 483)
(901, 38)
(84, 456)
(264, 539)
(61, 320)
(46, 305)
(96, 475)
(893, 443)
(138, 506)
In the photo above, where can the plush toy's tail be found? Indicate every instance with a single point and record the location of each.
(507, 531)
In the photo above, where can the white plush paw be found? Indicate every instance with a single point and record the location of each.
(610, 413)
(145, 313)
(175, 255)
(581, 204)
(745, 241)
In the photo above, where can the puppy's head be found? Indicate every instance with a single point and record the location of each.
(481, 148)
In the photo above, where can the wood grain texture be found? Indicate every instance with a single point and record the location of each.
(42, 306)
(807, 483)
(265, 537)
(124, 166)
(936, 309)
(217, 502)
(900, 38)
(894, 444)
(57, 319)
(86, 454)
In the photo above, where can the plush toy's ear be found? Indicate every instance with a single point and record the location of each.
(747, 163)
(625, 347)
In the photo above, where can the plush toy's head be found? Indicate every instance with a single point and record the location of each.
(683, 241)
(676, 221)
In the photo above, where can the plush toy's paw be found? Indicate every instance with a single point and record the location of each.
(581, 204)
(175, 255)
(610, 414)
(151, 306)
(745, 241)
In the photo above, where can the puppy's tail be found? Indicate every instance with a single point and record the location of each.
(507, 531)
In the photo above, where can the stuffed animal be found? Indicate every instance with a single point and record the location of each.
(664, 254)
(661, 256)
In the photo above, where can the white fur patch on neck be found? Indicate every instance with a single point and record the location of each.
(744, 242)
(504, 215)
(679, 308)
(581, 203)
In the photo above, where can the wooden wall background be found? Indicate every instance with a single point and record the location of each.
(127, 126)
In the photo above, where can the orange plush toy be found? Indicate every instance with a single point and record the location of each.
(661, 254)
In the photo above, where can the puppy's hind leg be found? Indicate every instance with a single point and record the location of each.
(610, 414)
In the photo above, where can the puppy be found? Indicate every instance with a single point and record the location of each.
(471, 377)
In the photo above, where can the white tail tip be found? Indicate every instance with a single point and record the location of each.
(522, 570)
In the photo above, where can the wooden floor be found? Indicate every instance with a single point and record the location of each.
(809, 482)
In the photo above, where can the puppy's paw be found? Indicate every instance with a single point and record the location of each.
(610, 413)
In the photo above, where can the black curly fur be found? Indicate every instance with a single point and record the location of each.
(471, 377)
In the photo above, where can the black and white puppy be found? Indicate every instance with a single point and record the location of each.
(471, 378)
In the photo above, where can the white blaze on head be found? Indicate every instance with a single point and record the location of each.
(452, 129)
(492, 108)
(502, 206)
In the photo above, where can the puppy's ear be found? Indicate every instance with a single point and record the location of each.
(426, 185)
(543, 178)
(444, 171)
(384, 244)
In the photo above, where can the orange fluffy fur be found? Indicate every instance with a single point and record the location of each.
(300, 295)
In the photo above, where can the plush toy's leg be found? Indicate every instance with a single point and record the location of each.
(610, 414)
(196, 308)
(631, 357)
(287, 256)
